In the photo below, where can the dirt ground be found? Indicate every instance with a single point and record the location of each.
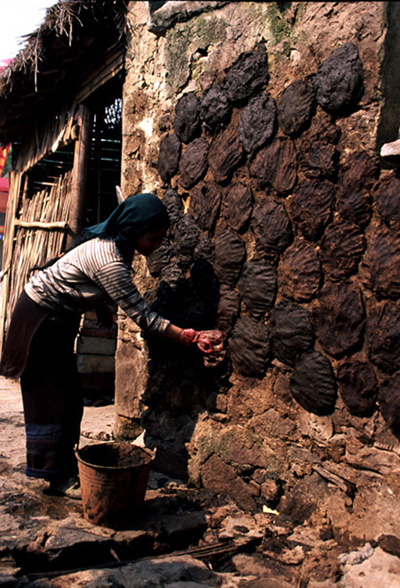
(181, 539)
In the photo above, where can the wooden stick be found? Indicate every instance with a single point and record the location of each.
(203, 552)
(344, 485)
(41, 225)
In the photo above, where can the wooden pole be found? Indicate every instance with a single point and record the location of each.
(80, 172)
(41, 225)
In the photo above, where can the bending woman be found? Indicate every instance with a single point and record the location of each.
(39, 347)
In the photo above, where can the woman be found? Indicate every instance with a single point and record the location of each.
(40, 341)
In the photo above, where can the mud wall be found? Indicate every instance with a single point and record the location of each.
(257, 125)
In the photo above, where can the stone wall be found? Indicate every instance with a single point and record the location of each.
(257, 125)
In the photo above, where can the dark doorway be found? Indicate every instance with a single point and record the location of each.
(96, 344)
(105, 160)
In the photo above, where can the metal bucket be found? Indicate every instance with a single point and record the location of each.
(113, 479)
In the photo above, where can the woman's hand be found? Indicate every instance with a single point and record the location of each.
(210, 343)
(184, 336)
(105, 316)
(188, 336)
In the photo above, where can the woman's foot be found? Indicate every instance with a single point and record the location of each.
(69, 487)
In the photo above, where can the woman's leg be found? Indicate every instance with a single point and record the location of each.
(52, 399)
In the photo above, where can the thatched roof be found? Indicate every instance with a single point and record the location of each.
(52, 64)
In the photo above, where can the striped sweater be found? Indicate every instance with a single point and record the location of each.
(88, 275)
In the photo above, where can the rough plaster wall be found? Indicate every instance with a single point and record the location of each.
(248, 434)
(191, 56)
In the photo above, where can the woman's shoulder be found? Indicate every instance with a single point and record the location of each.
(104, 249)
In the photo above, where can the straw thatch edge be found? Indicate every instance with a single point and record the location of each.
(52, 57)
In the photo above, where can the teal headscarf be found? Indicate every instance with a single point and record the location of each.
(134, 217)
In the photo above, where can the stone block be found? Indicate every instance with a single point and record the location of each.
(95, 363)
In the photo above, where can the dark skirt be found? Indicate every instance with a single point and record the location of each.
(52, 397)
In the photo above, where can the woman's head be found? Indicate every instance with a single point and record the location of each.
(147, 243)
(139, 216)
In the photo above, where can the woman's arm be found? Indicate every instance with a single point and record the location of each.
(184, 336)
(172, 332)
(117, 281)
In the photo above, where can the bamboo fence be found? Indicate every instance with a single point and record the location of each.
(36, 227)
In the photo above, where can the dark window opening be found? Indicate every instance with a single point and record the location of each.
(105, 159)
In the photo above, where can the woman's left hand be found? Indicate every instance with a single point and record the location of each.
(187, 337)
(105, 316)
